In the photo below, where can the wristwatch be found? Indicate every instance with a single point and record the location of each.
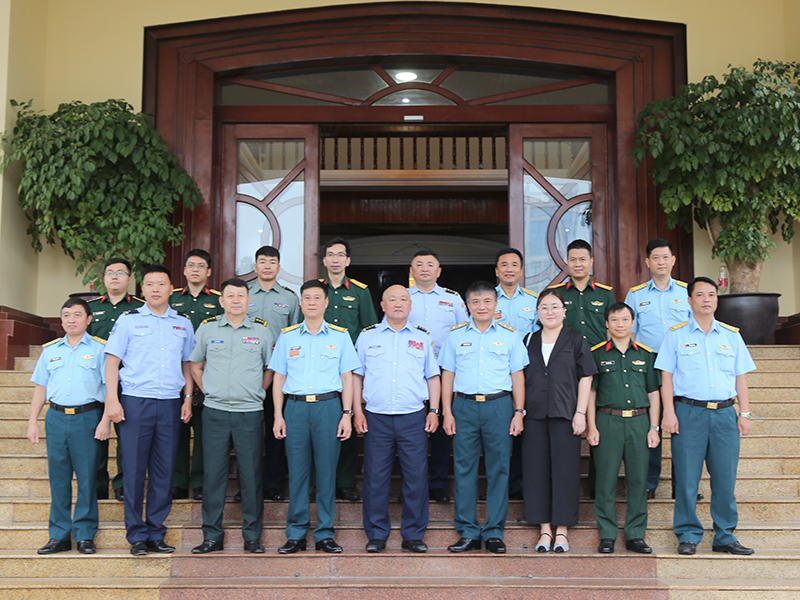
(521, 410)
(655, 427)
(746, 415)
(347, 412)
(188, 396)
(434, 411)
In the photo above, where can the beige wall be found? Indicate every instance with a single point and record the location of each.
(91, 50)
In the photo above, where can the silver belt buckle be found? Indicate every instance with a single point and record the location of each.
(712, 405)
(312, 398)
(480, 398)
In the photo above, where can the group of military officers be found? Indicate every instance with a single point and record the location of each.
(214, 361)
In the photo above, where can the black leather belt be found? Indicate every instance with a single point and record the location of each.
(483, 397)
(76, 410)
(713, 405)
(313, 397)
(623, 413)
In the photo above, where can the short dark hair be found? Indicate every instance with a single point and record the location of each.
(424, 252)
(658, 243)
(269, 251)
(199, 253)
(480, 287)
(233, 282)
(580, 245)
(549, 292)
(341, 241)
(156, 269)
(696, 280)
(617, 307)
(508, 251)
(314, 283)
(77, 302)
(118, 261)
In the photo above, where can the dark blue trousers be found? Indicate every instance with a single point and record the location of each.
(439, 460)
(406, 436)
(149, 437)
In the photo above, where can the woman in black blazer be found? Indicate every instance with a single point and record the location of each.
(557, 384)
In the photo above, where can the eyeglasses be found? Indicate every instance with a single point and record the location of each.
(117, 273)
(198, 266)
(552, 308)
(338, 255)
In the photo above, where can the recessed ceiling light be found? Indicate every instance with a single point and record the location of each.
(405, 76)
(406, 100)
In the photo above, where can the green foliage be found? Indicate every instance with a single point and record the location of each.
(729, 149)
(100, 180)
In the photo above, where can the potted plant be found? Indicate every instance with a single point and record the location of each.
(100, 180)
(726, 154)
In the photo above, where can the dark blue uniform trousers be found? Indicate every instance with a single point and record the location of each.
(149, 437)
(406, 436)
(71, 447)
(711, 436)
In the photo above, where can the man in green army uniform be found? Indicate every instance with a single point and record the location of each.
(622, 419)
(105, 311)
(229, 362)
(350, 306)
(198, 302)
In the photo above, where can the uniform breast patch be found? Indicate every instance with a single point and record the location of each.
(443, 303)
(87, 357)
(466, 343)
(55, 359)
(597, 303)
(207, 305)
(331, 347)
(348, 298)
(638, 363)
(677, 300)
(281, 305)
(216, 341)
(179, 327)
(498, 343)
(645, 303)
(142, 327)
(250, 340)
(294, 351)
(528, 309)
(98, 313)
(416, 345)
(692, 345)
(606, 363)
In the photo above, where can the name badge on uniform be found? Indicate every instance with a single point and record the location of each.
(466, 343)
(567, 302)
(692, 345)
(177, 304)
(348, 298)
(443, 303)
(55, 359)
(250, 340)
(645, 303)
(606, 363)
(97, 313)
(294, 351)
(216, 341)
(142, 327)
(251, 304)
(638, 363)
(416, 345)
(374, 347)
(279, 305)
(179, 327)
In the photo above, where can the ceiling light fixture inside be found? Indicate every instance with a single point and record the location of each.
(405, 76)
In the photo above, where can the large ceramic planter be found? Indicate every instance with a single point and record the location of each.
(755, 314)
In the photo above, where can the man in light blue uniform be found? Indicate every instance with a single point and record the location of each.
(153, 344)
(658, 304)
(437, 309)
(69, 375)
(399, 373)
(313, 363)
(704, 364)
(482, 362)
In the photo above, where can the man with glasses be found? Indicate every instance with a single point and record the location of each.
(198, 302)
(105, 311)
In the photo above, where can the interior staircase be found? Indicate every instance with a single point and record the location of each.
(768, 492)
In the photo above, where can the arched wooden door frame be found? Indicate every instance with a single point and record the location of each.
(645, 58)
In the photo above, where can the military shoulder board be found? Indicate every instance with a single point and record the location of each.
(290, 328)
(421, 328)
(373, 326)
(337, 328)
(99, 339)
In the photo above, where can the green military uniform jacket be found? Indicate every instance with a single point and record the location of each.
(586, 309)
(105, 314)
(624, 380)
(198, 309)
(350, 306)
(278, 307)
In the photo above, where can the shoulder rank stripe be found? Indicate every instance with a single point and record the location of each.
(337, 328)
(98, 298)
(50, 342)
(373, 326)
(731, 327)
(210, 319)
(290, 328)
(459, 326)
(177, 290)
(363, 286)
(99, 339)
(288, 289)
(449, 291)
(260, 321)
(138, 299)
(682, 283)
(421, 328)
(643, 347)
(507, 326)
(558, 285)
(678, 326)
(596, 346)
(134, 311)
(641, 286)
(184, 315)
(210, 291)
(529, 292)
(604, 286)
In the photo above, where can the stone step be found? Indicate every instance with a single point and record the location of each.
(71, 564)
(732, 589)
(35, 352)
(759, 352)
(764, 564)
(25, 363)
(762, 395)
(773, 365)
(16, 378)
(81, 588)
(762, 379)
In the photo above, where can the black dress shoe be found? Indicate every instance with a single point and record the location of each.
(328, 545)
(197, 493)
(160, 547)
(438, 495)
(312, 495)
(464, 545)
(55, 546)
(254, 547)
(700, 497)
(179, 494)
(138, 548)
(638, 545)
(606, 546)
(274, 494)
(687, 548)
(102, 494)
(481, 497)
(651, 494)
(119, 495)
(237, 497)
(496, 546)
(208, 546)
(417, 546)
(87, 547)
(375, 546)
(734, 548)
(348, 494)
(292, 546)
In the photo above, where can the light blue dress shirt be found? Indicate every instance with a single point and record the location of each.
(437, 311)
(152, 349)
(72, 376)
(396, 366)
(704, 367)
(483, 362)
(313, 362)
(519, 310)
(656, 311)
